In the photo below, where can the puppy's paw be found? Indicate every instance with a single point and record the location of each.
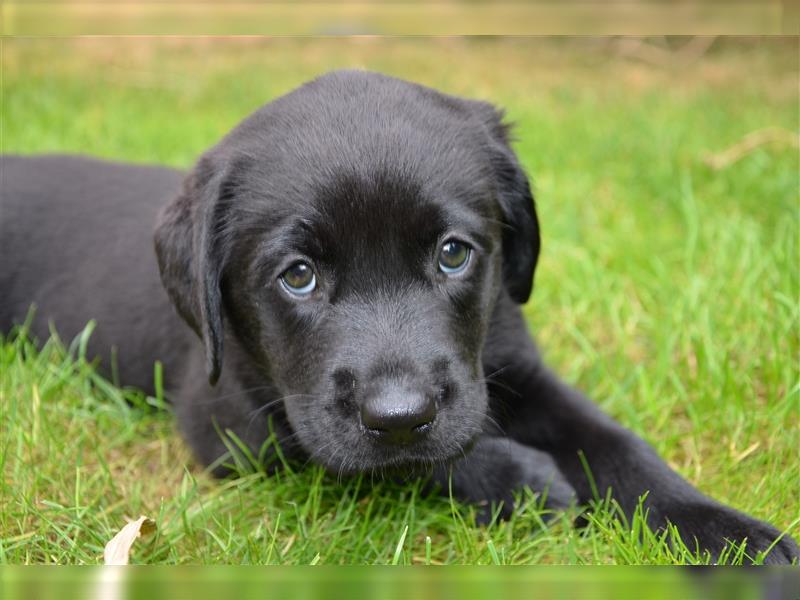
(713, 526)
(496, 468)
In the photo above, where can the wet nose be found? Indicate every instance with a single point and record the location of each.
(396, 414)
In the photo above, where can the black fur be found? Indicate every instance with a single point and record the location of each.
(364, 177)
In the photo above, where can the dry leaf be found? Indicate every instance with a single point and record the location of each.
(118, 550)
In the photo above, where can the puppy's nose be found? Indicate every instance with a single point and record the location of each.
(398, 415)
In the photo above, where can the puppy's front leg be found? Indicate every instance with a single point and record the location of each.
(549, 415)
(495, 468)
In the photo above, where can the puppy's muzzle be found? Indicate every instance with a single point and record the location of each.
(397, 414)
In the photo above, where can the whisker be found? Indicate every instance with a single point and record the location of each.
(317, 453)
(497, 371)
(490, 380)
(255, 412)
(504, 386)
(341, 469)
(252, 390)
(485, 417)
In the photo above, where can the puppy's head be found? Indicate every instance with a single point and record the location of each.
(353, 237)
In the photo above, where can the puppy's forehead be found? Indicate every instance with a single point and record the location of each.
(368, 124)
(388, 210)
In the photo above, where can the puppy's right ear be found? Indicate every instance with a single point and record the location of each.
(521, 240)
(191, 254)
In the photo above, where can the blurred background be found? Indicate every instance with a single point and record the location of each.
(400, 17)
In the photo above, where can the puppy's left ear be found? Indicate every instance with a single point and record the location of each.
(191, 248)
(521, 240)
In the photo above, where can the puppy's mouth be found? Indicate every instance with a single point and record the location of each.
(374, 457)
(420, 462)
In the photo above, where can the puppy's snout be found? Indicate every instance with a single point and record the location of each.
(396, 414)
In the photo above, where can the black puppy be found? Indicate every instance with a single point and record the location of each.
(360, 248)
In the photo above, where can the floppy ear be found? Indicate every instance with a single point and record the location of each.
(521, 241)
(189, 242)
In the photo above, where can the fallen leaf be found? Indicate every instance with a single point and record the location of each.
(118, 549)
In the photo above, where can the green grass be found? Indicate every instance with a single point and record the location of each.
(668, 291)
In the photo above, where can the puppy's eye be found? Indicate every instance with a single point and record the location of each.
(454, 257)
(299, 279)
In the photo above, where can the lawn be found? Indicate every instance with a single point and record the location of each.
(668, 290)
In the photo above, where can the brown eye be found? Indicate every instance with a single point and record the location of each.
(454, 257)
(299, 279)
